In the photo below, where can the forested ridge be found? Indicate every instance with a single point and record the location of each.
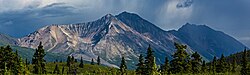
(181, 63)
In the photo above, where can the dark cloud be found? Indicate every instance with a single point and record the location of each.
(55, 10)
(184, 3)
(229, 16)
(22, 22)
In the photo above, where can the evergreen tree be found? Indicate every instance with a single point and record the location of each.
(180, 57)
(18, 67)
(92, 62)
(214, 63)
(234, 65)
(56, 70)
(187, 65)
(123, 67)
(72, 59)
(26, 62)
(9, 58)
(203, 67)
(10, 62)
(38, 60)
(63, 70)
(68, 61)
(228, 67)
(2, 63)
(150, 64)
(81, 63)
(5, 70)
(72, 65)
(165, 67)
(196, 62)
(140, 66)
(221, 66)
(98, 60)
(244, 67)
(75, 60)
(56, 61)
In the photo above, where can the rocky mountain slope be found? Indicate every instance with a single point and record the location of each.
(129, 35)
(208, 42)
(5, 40)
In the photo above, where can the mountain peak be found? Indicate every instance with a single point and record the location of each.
(109, 15)
(194, 26)
(128, 14)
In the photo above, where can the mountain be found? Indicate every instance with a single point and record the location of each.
(26, 53)
(7, 40)
(208, 42)
(129, 35)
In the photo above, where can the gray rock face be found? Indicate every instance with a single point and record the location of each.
(111, 37)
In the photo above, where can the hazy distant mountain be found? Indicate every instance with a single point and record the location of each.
(7, 40)
(207, 41)
(129, 35)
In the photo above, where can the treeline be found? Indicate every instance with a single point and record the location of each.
(11, 63)
(182, 63)
(237, 56)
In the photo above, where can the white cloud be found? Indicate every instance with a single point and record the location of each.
(13, 5)
(171, 16)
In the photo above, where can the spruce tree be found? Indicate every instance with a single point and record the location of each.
(123, 67)
(165, 67)
(150, 64)
(10, 62)
(56, 70)
(72, 59)
(98, 60)
(221, 66)
(38, 60)
(214, 63)
(234, 65)
(26, 62)
(203, 67)
(5, 70)
(2, 63)
(196, 62)
(63, 70)
(187, 65)
(75, 60)
(81, 63)
(140, 66)
(92, 62)
(18, 67)
(180, 57)
(10, 58)
(68, 61)
(72, 66)
(244, 67)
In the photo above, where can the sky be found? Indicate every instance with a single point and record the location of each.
(21, 17)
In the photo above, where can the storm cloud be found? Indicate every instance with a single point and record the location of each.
(21, 17)
(184, 3)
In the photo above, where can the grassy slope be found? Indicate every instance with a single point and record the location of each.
(27, 53)
(88, 69)
(104, 70)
